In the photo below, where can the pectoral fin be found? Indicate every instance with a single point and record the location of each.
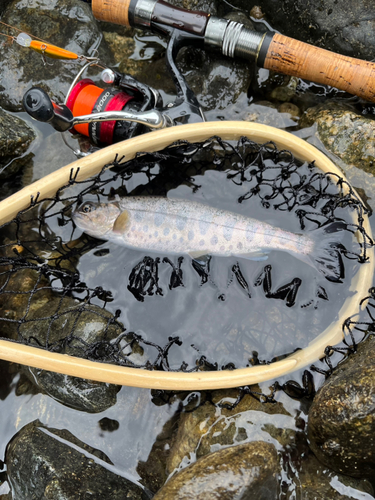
(121, 222)
(195, 254)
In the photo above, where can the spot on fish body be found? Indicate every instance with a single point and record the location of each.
(181, 223)
(203, 227)
(228, 230)
(268, 235)
(159, 219)
(214, 240)
(190, 235)
(138, 216)
(201, 243)
(166, 231)
(145, 228)
(250, 232)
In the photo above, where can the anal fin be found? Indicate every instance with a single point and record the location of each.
(257, 256)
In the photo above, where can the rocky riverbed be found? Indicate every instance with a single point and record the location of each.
(306, 436)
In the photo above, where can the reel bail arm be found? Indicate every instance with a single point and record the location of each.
(40, 107)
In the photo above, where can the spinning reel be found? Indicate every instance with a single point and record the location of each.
(125, 108)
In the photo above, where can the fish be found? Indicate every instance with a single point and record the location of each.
(179, 226)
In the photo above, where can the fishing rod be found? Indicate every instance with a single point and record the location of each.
(269, 50)
(126, 107)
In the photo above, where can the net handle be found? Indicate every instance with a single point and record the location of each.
(105, 372)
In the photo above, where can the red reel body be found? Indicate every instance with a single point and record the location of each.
(86, 98)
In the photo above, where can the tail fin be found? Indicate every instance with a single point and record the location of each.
(327, 253)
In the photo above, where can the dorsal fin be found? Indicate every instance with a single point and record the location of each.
(121, 222)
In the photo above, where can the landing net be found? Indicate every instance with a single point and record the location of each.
(53, 298)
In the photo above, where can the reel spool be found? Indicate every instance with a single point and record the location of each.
(86, 98)
(205, 380)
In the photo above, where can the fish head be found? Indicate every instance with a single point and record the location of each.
(96, 219)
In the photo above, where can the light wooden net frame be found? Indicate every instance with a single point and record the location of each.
(201, 380)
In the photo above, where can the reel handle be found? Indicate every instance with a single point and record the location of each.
(39, 106)
(271, 51)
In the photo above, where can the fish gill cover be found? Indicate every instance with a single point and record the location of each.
(65, 291)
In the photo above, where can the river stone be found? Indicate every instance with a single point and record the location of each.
(341, 426)
(15, 139)
(244, 471)
(53, 464)
(86, 327)
(209, 427)
(68, 24)
(344, 133)
(311, 480)
(344, 26)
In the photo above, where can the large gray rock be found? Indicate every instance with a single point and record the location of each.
(53, 464)
(345, 133)
(341, 426)
(15, 139)
(66, 23)
(238, 472)
(84, 328)
(344, 26)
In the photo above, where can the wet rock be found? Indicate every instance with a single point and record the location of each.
(344, 26)
(66, 23)
(73, 331)
(268, 114)
(141, 55)
(342, 417)
(345, 133)
(52, 463)
(15, 139)
(209, 427)
(216, 80)
(153, 471)
(286, 92)
(18, 287)
(311, 480)
(200, 5)
(244, 471)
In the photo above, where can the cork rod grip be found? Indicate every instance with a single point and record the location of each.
(112, 11)
(289, 56)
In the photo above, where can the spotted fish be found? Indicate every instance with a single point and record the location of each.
(179, 226)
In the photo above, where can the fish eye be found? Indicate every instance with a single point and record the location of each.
(87, 207)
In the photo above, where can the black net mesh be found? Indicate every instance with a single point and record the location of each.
(49, 299)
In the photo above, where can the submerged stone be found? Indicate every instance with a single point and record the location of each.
(72, 332)
(53, 464)
(312, 480)
(341, 426)
(244, 471)
(209, 427)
